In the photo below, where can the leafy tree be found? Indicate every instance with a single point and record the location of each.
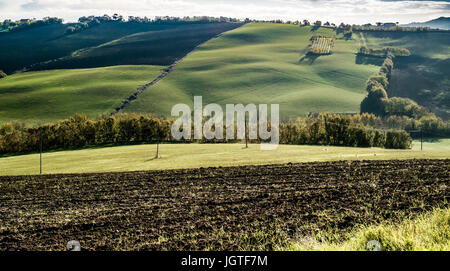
(378, 79)
(405, 107)
(375, 102)
(398, 140)
(2, 74)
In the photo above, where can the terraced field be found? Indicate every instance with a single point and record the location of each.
(237, 208)
(322, 45)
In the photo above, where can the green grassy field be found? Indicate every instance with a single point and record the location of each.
(161, 46)
(426, 232)
(27, 47)
(107, 44)
(48, 96)
(424, 44)
(176, 156)
(265, 63)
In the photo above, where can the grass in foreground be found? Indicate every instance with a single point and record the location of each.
(177, 156)
(48, 96)
(429, 231)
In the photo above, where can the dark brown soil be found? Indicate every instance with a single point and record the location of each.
(251, 207)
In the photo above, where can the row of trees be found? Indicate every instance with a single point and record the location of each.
(80, 131)
(14, 26)
(377, 100)
(396, 28)
(398, 112)
(376, 85)
(384, 52)
(89, 21)
(342, 130)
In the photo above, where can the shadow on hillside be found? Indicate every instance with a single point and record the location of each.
(308, 58)
(314, 28)
(366, 60)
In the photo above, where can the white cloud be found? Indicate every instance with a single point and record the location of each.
(349, 11)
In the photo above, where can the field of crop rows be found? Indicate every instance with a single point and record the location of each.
(251, 207)
(321, 45)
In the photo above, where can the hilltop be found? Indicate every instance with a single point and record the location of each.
(439, 23)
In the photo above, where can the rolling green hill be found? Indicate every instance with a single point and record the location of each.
(265, 63)
(256, 63)
(106, 44)
(48, 96)
(425, 75)
(22, 49)
(161, 46)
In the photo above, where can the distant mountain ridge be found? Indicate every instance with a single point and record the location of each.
(441, 23)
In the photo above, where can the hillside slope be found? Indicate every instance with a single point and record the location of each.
(264, 63)
(441, 23)
(110, 43)
(49, 96)
(161, 46)
(425, 75)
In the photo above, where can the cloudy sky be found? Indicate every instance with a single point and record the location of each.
(348, 11)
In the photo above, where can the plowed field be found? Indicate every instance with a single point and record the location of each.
(233, 208)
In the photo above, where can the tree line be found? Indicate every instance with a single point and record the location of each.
(384, 52)
(14, 26)
(402, 113)
(80, 131)
(379, 28)
(90, 21)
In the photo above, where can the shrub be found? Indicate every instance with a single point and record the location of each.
(380, 79)
(79, 131)
(2, 74)
(405, 107)
(398, 140)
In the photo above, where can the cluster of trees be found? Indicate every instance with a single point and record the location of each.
(430, 125)
(376, 85)
(346, 29)
(378, 102)
(396, 28)
(2, 74)
(398, 112)
(80, 131)
(90, 21)
(342, 130)
(384, 52)
(14, 26)
(196, 19)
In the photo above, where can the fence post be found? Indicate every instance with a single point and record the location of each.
(40, 153)
(246, 142)
(157, 150)
(421, 139)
